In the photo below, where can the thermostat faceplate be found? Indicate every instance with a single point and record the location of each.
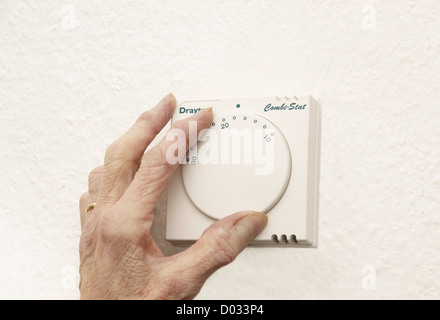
(259, 154)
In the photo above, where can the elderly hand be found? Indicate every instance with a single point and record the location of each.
(119, 258)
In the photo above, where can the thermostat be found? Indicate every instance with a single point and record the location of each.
(258, 154)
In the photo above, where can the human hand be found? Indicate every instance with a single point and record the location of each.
(118, 257)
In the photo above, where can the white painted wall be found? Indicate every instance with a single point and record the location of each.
(74, 74)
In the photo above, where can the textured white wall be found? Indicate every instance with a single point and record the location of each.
(74, 74)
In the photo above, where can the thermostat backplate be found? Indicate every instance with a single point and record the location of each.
(272, 166)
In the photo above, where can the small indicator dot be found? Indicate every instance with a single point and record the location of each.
(272, 134)
(223, 119)
(213, 124)
(191, 149)
(238, 106)
(244, 118)
(234, 117)
(255, 121)
(264, 127)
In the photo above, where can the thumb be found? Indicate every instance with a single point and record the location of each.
(220, 244)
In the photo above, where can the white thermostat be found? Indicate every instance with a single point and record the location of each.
(258, 154)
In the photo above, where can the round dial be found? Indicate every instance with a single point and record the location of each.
(242, 162)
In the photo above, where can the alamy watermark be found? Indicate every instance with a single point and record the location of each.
(369, 18)
(368, 277)
(226, 146)
(70, 278)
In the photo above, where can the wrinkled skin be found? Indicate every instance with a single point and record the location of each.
(118, 257)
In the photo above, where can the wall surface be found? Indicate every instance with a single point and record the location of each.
(75, 74)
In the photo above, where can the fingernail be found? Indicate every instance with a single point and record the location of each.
(171, 97)
(206, 112)
(166, 99)
(251, 225)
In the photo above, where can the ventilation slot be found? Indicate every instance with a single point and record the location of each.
(283, 239)
(293, 238)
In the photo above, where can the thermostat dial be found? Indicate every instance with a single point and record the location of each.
(243, 162)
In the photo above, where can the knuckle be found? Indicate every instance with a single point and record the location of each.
(109, 227)
(95, 174)
(159, 153)
(118, 155)
(146, 118)
(154, 163)
(146, 124)
(114, 151)
(115, 228)
(95, 178)
(150, 121)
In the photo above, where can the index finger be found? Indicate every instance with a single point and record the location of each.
(156, 169)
